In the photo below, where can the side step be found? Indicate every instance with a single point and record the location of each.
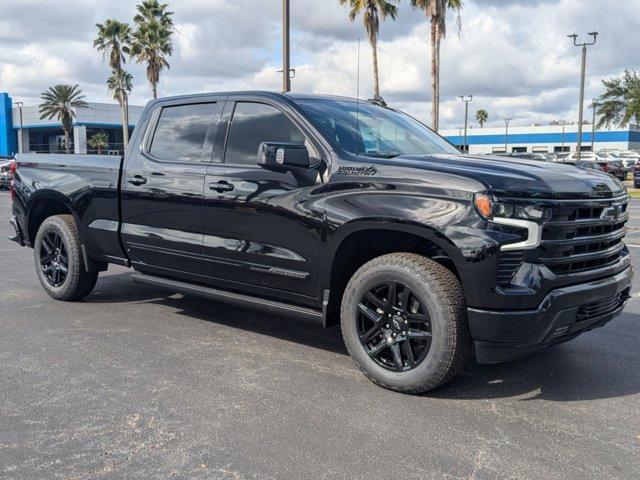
(232, 298)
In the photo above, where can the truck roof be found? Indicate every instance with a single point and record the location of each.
(265, 93)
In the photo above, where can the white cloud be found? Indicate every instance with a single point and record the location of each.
(512, 55)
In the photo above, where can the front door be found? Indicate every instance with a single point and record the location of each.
(163, 189)
(262, 228)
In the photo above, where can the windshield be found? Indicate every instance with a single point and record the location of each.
(362, 128)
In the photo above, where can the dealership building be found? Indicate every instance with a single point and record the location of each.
(543, 139)
(22, 130)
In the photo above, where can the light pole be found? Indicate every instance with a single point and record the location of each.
(460, 136)
(286, 51)
(564, 124)
(506, 133)
(21, 140)
(466, 99)
(584, 46)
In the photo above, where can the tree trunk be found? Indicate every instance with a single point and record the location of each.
(67, 143)
(124, 114)
(438, 41)
(154, 87)
(376, 79)
(434, 70)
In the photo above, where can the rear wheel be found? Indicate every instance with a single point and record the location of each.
(59, 262)
(404, 322)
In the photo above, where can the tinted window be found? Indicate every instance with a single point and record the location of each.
(254, 123)
(182, 130)
(367, 129)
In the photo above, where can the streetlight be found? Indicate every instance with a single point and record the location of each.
(21, 140)
(564, 124)
(584, 46)
(506, 133)
(466, 99)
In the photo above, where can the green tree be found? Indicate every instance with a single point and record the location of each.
(481, 117)
(120, 83)
(114, 41)
(99, 141)
(152, 39)
(620, 103)
(372, 11)
(436, 12)
(59, 102)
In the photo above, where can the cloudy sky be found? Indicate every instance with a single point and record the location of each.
(513, 55)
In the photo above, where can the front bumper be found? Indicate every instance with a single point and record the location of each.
(565, 313)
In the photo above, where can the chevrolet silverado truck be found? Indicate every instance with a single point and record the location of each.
(337, 211)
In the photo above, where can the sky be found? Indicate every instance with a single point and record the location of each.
(513, 56)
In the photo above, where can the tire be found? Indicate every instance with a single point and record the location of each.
(438, 293)
(60, 233)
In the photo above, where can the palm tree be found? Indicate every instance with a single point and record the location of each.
(60, 101)
(372, 11)
(620, 103)
(481, 117)
(153, 10)
(99, 141)
(152, 39)
(436, 12)
(113, 41)
(121, 84)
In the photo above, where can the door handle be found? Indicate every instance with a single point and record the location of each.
(221, 186)
(136, 180)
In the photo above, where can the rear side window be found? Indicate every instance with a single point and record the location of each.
(182, 130)
(254, 123)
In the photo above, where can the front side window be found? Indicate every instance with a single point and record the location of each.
(182, 130)
(365, 129)
(254, 123)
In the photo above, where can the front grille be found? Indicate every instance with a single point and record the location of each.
(582, 237)
(602, 307)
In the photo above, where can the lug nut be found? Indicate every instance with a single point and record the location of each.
(386, 326)
(394, 334)
(406, 322)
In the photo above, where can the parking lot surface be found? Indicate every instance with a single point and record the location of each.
(135, 382)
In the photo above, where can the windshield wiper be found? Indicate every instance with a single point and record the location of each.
(383, 154)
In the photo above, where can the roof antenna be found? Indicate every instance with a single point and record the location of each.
(357, 132)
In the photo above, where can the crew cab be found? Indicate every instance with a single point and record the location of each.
(337, 211)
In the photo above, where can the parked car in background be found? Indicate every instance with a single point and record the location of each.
(609, 165)
(636, 175)
(589, 164)
(5, 175)
(630, 158)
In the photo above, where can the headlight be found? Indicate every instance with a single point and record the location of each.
(489, 208)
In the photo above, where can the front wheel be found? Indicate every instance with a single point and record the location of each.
(404, 323)
(59, 262)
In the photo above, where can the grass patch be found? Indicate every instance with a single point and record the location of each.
(634, 192)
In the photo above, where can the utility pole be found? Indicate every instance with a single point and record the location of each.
(21, 139)
(466, 99)
(506, 133)
(286, 51)
(584, 46)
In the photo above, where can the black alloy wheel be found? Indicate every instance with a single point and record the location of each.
(394, 326)
(54, 260)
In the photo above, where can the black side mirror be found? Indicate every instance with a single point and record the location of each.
(283, 157)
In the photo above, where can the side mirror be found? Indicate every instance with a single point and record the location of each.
(283, 157)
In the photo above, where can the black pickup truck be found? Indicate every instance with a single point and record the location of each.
(337, 211)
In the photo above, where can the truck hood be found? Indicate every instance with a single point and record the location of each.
(515, 177)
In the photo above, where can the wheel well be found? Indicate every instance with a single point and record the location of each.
(360, 247)
(41, 210)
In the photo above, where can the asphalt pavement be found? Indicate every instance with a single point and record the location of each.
(136, 382)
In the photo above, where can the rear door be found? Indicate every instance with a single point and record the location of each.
(262, 229)
(163, 188)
